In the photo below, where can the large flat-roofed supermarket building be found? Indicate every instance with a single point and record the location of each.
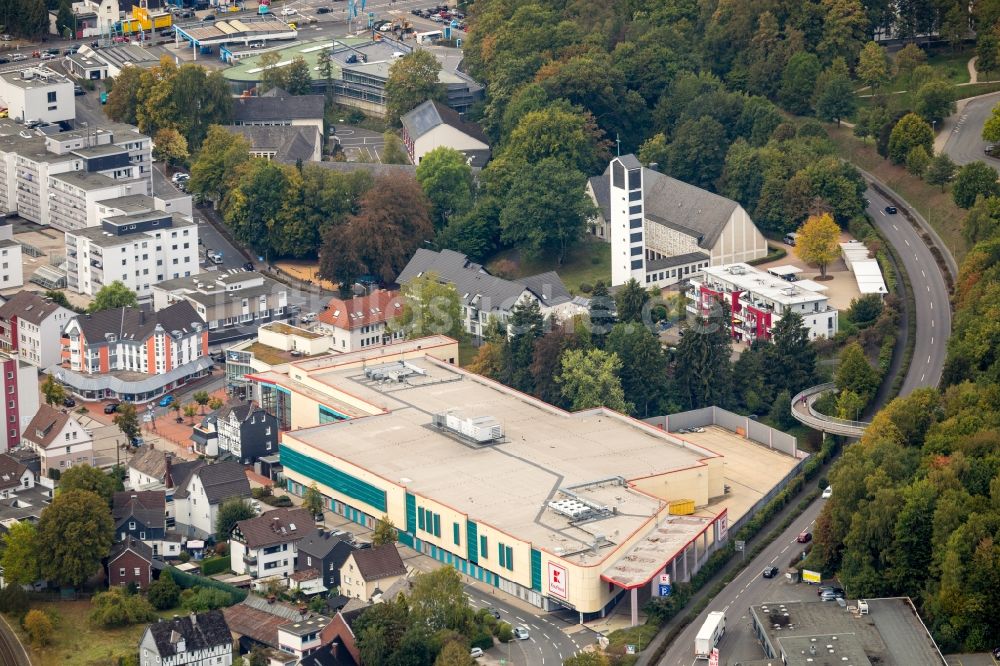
(560, 509)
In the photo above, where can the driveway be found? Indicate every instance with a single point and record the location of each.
(965, 143)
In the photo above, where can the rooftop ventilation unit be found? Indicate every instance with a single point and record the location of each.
(480, 429)
(393, 372)
(737, 270)
(571, 508)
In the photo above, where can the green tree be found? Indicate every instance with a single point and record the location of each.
(190, 411)
(991, 128)
(781, 411)
(589, 378)
(118, 608)
(790, 360)
(58, 297)
(524, 327)
(272, 75)
(114, 295)
(384, 532)
(703, 372)
(798, 81)
(630, 301)
(698, 152)
(312, 500)
(655, 150)
(856, 374)
(75, 531)
(546, 210)
(53, 392)
(65, 21)
(546, 361)
(392, 150)
(909, 132)
(253, 207)
(935, 100)
(908, 59)
(870, 121)
(917, 161)
(844, 29)
(973, 180)
(446, 179)
(430, 307)
(873, 66)
(231, 512)
(85, 477)
(205, 599)
(20, 559)
(298, 79)
(127, 419)
(643, 372)
(38, 626)
(214, 170)
(413, 79)
(940, 171)
(454, 653)
(835, 98)
(587, 659)
(123, 100)
(987, 50)
(601, 314)
(567, 134)
(326, 73)
(257, 657)
(818, 241)
(202, 398)
(982, 221)
(849, 405)
(437, 601)
(865, 310)
(164, 593)
(170, 146)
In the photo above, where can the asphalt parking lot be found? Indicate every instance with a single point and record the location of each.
(360, 145)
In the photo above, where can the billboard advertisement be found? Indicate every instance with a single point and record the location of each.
(557, 580)
(811, 576)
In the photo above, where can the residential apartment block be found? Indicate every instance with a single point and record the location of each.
(757, 300)
(139, 250)
(11, 261)
(362, 321)
(30, 325)
(59, 440)
(226, 299)
(38, 93)
(484, 296)
(20, 397)
(265, 547)
(58, 179)
(133, 355)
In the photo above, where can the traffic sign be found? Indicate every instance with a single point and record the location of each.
(630, 649)
(740, 545)
(664, 579)
(664, 590)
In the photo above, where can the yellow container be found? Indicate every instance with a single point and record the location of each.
(681, 507)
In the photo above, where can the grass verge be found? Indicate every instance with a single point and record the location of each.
(936, 206)
(75, 641)
(586, 263)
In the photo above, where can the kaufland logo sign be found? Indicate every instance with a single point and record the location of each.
(557, 580)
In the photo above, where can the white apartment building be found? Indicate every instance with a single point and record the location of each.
(757, 301)
(139, 250)
(58, 439)
(11, 261)
(38, 93)
(362, 321)
(265, 547)
(225, 299)
(32, 325)
(57, 179)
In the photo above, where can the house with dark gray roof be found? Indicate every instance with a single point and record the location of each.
(484, 296)
(370, 571)
(265, 547)
(142, 515)
(134, 355)
(278, 107)
(201, 638)
(325, 553)
(433, 125)
(198, 498)
(246, 432)
(663, 230)
(32, 324)
(282, 143)
(58, 439)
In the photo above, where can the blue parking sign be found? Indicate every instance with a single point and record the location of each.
(664, 590)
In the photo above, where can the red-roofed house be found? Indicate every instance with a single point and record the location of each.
(360, 323)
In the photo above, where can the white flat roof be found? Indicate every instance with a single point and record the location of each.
(811, 285)
(747, 278)
(786, 269)
(508, 484)
(869, 277)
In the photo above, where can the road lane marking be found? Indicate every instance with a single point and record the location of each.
(895, 227)
(784, 549)
(922, 377)
(907, 242)
(923, 273)
(773, 560)
(932, 305)
(932, 323)
(928, 359)
(932, 339)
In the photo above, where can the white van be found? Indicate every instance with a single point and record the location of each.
(790, 239)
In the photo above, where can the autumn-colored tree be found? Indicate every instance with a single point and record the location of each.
(170, 146)
(818, 241)
(190, 411)
(413, 79)
(393, 220)
(38, 626)
(873, 65)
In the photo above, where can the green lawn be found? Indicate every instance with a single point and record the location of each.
(587, 263)
(936, 206)
(466, 353)
(76, 642)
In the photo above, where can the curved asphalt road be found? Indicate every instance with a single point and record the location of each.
(965, 142)
(930, 291)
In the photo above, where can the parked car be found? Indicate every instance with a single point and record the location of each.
(5, 38)
(494, 612)
(166, 400)
(521, 633)
(179, 176)
(48, 56)
(827, 492)
(891, 210)
(992, 149)
(322, 10)
(137, 441)
(111, 408)
(308, 317)
(288, 11)
(214, 256)
(832, 595)
(219, 357)
(210, 17)
(770, 572)
(4, 61)
(248, 266)
(805, 536)
(68, 401)
(476, 652)
(78, 90)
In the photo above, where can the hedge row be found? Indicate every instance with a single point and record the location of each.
(187, 581)
(215, 565)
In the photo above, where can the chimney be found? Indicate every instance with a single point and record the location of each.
(653, 166)
(168, 479)
(194, 619)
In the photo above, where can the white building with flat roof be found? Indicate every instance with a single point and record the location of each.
(757, 299)
(38, 93)
(571, 510)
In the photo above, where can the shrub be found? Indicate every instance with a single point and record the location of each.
(164, 593)
(482, 640)
(586, 287)
(184, 556)
(117, 608)
(262, 492)
(214, 565)
(204, 599)
(505, 632)
(13, 600)
(38, 626)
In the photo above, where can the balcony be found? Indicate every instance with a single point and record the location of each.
(249, 559)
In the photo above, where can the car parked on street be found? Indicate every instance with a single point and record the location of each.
(769, 572)
(805, 536)
(521, 633)
(111, 408)
(476, 652)
(827, 492)
(166, 400)
(68, 401)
